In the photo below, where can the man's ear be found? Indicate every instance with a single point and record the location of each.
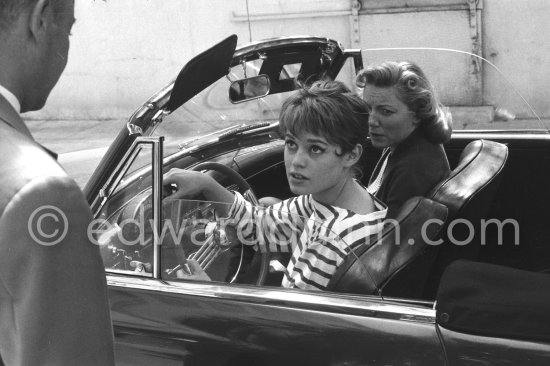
(354, 155)
(40, 15)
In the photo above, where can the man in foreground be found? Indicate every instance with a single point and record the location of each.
(53, 296)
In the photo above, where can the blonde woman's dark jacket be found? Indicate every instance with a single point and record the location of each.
(414, 167)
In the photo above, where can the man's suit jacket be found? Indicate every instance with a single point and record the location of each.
(414, 167)
(53, 298)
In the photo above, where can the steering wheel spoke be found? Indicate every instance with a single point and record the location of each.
(207, 253)
(217, 242)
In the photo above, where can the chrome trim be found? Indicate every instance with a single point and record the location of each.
(319, 301)
(251, 98)
(156, 102)
(502, 134)
(158, 117)
(133, 129)
(284, 41)
(175, 156)
(157, 203)
(129, 273)
(121, 168)
(115, 177)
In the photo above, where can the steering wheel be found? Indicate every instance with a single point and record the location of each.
(235, 177)
(237, 256)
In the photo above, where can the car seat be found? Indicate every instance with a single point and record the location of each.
(468, 192)
(391, 266)
(400, 252)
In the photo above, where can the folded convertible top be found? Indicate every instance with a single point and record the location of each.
(497, 301)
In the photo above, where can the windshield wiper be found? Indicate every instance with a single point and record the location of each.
(240, 129)
(229, 132)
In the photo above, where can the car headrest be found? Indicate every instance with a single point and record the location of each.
(479, 164)
(371, 265)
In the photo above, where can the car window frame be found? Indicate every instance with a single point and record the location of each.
(113, 185)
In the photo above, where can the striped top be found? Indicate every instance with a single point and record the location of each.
(319, 236)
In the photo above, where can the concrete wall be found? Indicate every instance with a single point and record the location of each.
(516, 38)
(122, 51)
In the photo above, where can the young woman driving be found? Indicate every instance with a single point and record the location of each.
(325, 128)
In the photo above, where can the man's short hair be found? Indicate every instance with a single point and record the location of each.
(11, 9)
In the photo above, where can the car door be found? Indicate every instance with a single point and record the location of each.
(493, 314)
(161, 319)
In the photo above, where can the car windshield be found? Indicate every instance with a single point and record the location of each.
(479, 94)
(211, 111)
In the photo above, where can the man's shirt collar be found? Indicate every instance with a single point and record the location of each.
(11, 98)
(10, 115)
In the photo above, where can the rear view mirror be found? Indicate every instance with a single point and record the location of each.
(248, 89)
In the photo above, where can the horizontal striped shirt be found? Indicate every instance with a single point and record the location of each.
(319, 236)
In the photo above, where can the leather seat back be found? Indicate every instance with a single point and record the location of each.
(391, 266)
(400, 252)
(468, 192)
(476, 175)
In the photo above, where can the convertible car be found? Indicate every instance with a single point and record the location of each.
(459, 277)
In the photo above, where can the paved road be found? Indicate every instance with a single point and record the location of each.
(68, 136)
(80, 144)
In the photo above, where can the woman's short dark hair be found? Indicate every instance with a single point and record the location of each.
(415, 90)
(329, 109)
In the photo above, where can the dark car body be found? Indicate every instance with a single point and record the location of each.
(163, 321)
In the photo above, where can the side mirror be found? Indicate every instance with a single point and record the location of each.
(247, 89)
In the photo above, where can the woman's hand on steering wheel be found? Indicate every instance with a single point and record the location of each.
(191, 182)
(187, 183)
